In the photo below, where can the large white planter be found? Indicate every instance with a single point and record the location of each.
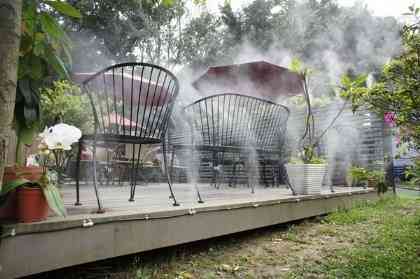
(306, 179)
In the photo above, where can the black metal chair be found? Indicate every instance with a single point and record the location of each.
(131, 104)
(226, 128)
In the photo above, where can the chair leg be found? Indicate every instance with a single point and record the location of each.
(167, 171)
(79, 152)
(233, 177)
(264, 177)
(133, 173)
(195, 174)
(200, 200)
(172, 162)
(95, 180)
(330, 182)
(274, 178)
(250, 175)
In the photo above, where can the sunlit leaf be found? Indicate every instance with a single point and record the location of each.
(67, 53)
(167, 3)
(51, 27)
(296, 65)
(64, 8)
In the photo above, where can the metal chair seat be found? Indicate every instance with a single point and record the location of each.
(115, 138)
(232, 148)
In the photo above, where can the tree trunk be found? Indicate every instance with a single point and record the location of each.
(10, 26)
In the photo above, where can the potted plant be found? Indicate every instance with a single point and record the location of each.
(376, 179)
(41, 60)
(35, 188)
(357, 176)
(307, 173)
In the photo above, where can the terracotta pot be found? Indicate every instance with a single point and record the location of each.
(31, 173)
(31, 205)
(9, 209)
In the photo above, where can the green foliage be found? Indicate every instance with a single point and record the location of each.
(377, 178)
(353, 89)
(314, 160)
(390, 250)
(359, 174)
(126, 30)
(13, 185)
(397, 89)
(413, 173)
(64, 8)
(63, 102)
(53, 196)
(44, 54)
(202, 36)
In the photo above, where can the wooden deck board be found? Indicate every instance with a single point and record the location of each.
(155, 196)
(151, 222)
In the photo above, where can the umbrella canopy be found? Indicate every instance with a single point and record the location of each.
(123, 84)
(116, 119)
(259, 79)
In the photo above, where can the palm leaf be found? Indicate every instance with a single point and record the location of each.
(54, 200)
(12, 185)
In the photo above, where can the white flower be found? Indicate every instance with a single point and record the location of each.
(32, 161)
(60, 136)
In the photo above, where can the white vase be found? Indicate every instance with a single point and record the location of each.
(306, 179)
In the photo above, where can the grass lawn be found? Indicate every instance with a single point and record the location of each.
(373, 240)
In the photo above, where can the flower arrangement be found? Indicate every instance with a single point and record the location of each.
(55, 146)
(56, 141)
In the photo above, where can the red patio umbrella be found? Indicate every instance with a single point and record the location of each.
(115, 118)
(157, 96)
(259, 79)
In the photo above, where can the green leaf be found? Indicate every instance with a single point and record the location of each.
(12, 185)
(296, 65)
(58, 65)
(29, 16)
(36, 67)
(167, 3)
(67, 53)
(27, 108)
(54, 200)
(64, 8)
(24, 89)
(51, 27)
(39, 44)
(27, 133)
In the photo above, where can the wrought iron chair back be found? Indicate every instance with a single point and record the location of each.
(235, 124)
(229, 121)
(132, 104)
(132, 101)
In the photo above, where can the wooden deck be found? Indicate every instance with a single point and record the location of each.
(155, 197)
(151, 221)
